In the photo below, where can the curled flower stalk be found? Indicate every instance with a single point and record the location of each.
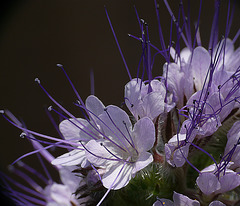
(175, 141)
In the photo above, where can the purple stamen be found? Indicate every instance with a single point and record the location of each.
(117, 159)
(176, 22)
(205, 153)
(100, 132)
(132, 144)
(44, 168)
(60, 106)
(29, 180)
(53, 122)
(160, 31)
(90, 133)
(236, 36)
(32, 199)
(214, 29)
(115, 37)
(33, 171)
(72, 85)
(105, 195)
(19, 185)
(119, 131)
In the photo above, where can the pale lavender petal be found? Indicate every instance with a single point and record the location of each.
(208, 183)
(234, 61)
(182, 200)
(75, 157)
(143, 160)
(116, 124)
(97, 154)
(210, 168)
(153, 104)
(158, 86)
(120, 174)
(163, 202)
(71, 128)
(180, 156)
(176, 139)
(144, 134)
(200, 62)
(185, 54)
(133, 96)
(224, 49)
(94, 105)
(216, 203)
(175, 79)
(229, 181)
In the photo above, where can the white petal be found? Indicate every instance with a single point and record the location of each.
(116, 124)
(208, 183)
(71, 128)
(94, 105)
(133, 96)
(228, 182)
(75, 157)
(216, 203)
(153, 104)
(180, 156)
(182, 200)
(143, 160)
(163, 202)
(97, 154)
(119, 174)
(200, 65)
(144, 134)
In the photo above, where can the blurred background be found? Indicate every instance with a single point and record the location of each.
(36, 35)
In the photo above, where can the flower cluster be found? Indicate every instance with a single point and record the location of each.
(177, 139)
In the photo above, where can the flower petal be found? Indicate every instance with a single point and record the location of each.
(153, 104)
(94, 105)
(70, 128)
(119, 174)
(208, 183)
(97, 154)
(163, 202)
(143, 160)
(200, 62)
(75, 157)
(116, 125)
(216, 203)
(228, 182)
(182, 200)
(144, 134)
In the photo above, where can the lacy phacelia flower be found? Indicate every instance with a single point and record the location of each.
(146, 100)
(125, 151)
(109, 142)
(218, 179)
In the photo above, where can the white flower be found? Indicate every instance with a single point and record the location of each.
(144, 100)
(124, 151)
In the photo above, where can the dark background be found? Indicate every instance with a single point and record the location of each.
(36, 35)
